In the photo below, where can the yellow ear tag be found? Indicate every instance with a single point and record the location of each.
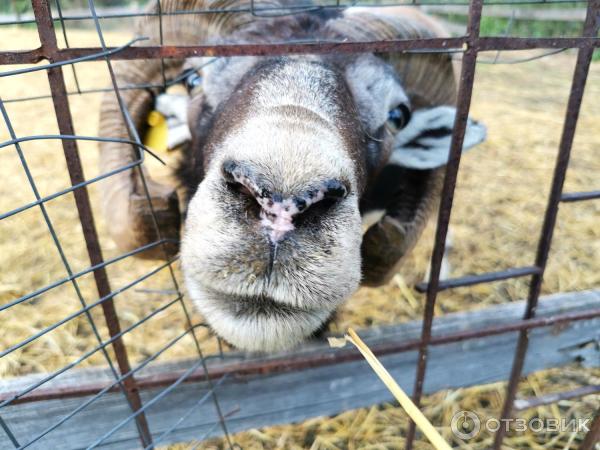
(156, 135)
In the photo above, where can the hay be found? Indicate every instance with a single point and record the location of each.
(501, 195)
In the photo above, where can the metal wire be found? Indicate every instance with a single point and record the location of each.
(185, 415)
(111, 386)
(156, 399)
(63, 257)
(91, 269)
(85, 310)
(11, 399)
(135, 136)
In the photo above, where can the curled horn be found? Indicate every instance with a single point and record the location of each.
(126, 209)
(429, 80)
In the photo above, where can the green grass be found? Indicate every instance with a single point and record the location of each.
(494, 26)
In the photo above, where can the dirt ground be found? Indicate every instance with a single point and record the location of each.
(502, 189)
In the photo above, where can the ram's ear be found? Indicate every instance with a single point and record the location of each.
(425, 141)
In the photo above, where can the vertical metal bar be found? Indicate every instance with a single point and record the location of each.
(592, 436)
(463, 105)
(584, 58)
(65, 124)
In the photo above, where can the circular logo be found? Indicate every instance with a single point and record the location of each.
(465, 425)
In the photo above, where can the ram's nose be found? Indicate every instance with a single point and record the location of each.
(282, 213)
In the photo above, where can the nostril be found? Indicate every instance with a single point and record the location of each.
(327, 190)
(301, 204)
(240, 178)
(239, 188)
(335, 189)
(315, 204)
(279, 213)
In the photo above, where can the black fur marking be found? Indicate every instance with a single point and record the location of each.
(436, 132)
(416, 144)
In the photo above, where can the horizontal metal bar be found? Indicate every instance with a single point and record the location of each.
(100, 54)
(579, 196)
(144, 86)
(470, 280)
(66, 56)
(290, 363)
(547, 399)
(453, 44)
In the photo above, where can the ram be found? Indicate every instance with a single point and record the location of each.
(303, 177)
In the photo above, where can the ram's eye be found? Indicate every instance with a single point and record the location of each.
(398, 117)
(192, 81)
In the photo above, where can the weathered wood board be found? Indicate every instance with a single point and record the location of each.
(294, 396)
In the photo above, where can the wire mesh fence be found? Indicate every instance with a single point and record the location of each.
(128, 377)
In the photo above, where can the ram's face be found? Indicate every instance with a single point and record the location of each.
(272, 238)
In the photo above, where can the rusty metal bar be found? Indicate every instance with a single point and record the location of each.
(65, 124)
(278, 49)
(454, 44)
(593, 436)
(463, 104)
(489, 277)
(289, 363)
(582, 65)
(533, 402)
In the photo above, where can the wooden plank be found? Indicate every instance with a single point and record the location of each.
(295, 396)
